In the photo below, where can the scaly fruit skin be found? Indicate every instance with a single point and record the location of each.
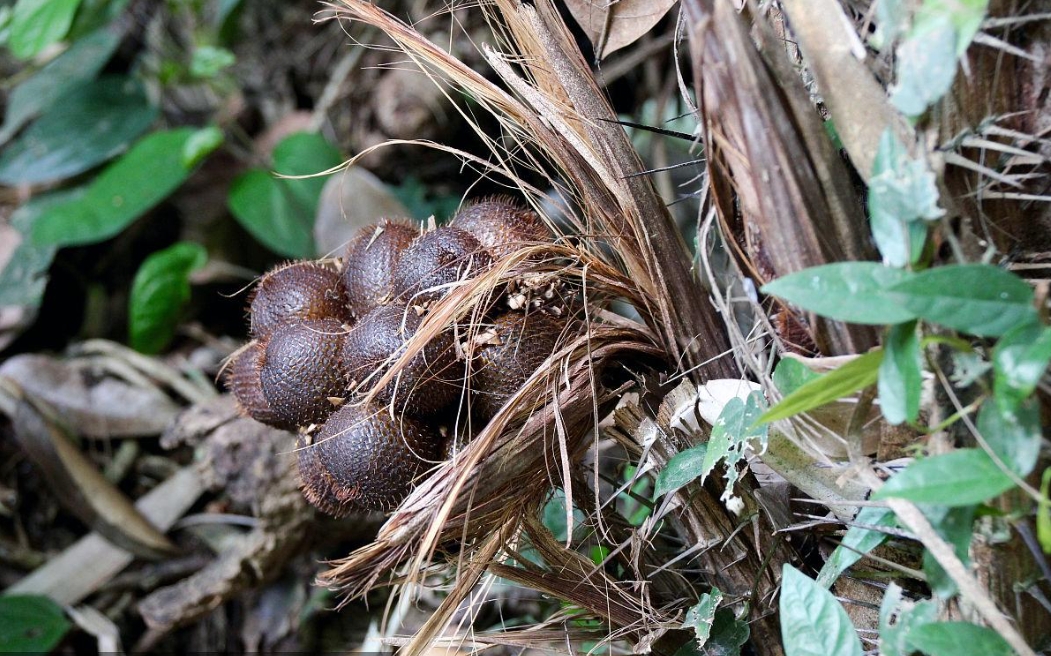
(370, 459)
(501, 225)
(435, 260)
(511, 349)
(299, 291)
(428, 383)
(243, 380)
(315, 481)
(369, 261)
(302, 373)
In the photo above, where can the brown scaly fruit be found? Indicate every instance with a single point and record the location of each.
(369, 261)
(435, 260)
(506, 353)
(301, 374)
(501, 225)
(364, 458)
(429, 382)
(315, 481)
(298, 291)
(242, 378)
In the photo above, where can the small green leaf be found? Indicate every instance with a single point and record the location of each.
(926, 67)
(900, 374)
(791, 374)
(207, 61)
(851, 377)
(813, 623)
(1043, 513)
(31, 624)
(80, 63)
(966, 17)
(961, 478)
(845, 291)
(36, 24)
(727, 636)
(701, 616)
(892, 19)
(956, 638)
(856, 542)
(1013, 436)
(125, 189)
(954, 525)
(978, 299)
(24, 277)
(683, 468)
(902, 194)
(734, 428)
(91, 124)
(1019, 361)
(158, 293)
(201, 144)
(898, 617)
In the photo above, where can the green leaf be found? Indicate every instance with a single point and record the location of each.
(978, 299)
(158, 293)
(1043, 513)
(280, 212)
(926, 66)
(966, 17)
(31, 624)
(701, 616)
(200, 145)
(1013, 436)
(856, 542)
(36, 24)
(728, 635)
(845, 291)
(24, 277)
(207, 61)
(898, 617)
(791, 374)
(955, 638)
(735, 427)
(1019, 361)
(900, 375)
(955, 526)
(813, 623)
(127, 188)
(683, 468)
(90, 125)
(851, 377)
(961, 478)
(80, 63)
(892, 19)
(902, 194)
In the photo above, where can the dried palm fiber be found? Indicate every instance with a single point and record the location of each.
(561, 125)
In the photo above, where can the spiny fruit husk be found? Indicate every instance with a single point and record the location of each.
(243, 380)
(429, 382)
(435, 260)
(298, 291)
(372, 459)
(508, 351)
(369, 261)
(302, 378)
(501, 225)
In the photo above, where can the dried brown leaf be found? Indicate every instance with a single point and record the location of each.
(615, 24)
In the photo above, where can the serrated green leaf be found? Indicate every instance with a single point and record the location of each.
(898, 617)
(701, 616)
(91, 124)
(978, 299)
(683, 468)
(845, 291)
(956, 638)
(813, 623)
(851, 377)
(900, 374)
(80, 63)
(36, 24)
(158, 293)
(902, 194)
(856, 542)
(961, 478)
(127, 188)
(791, 374)
(31, 624)
(1019, 361)
(1014, 436)
(955, 526)
(926, 67)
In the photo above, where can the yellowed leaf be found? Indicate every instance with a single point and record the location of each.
(614, 24)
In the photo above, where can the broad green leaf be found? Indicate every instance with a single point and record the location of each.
(1019, 361)
(845, 291)
(851, 377)
(127, 188)
(24, 277)
(900, 374)
(36, 24)
(554, 515)
(961, 478)
(898, 617)
(727, 636)
(1013, 436)
(701, 616)
(926, 66)
(158, 293)
(31, 624)
(90, 125)
(978, 299)
(200, 145)
(280, 212)
(81, 62)
(902, 195)
(813, 623)
(857, 541)
(955, 526)
(956, 638)
(683, 468)
(735, 427)
(791, 374)
(966, 17)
